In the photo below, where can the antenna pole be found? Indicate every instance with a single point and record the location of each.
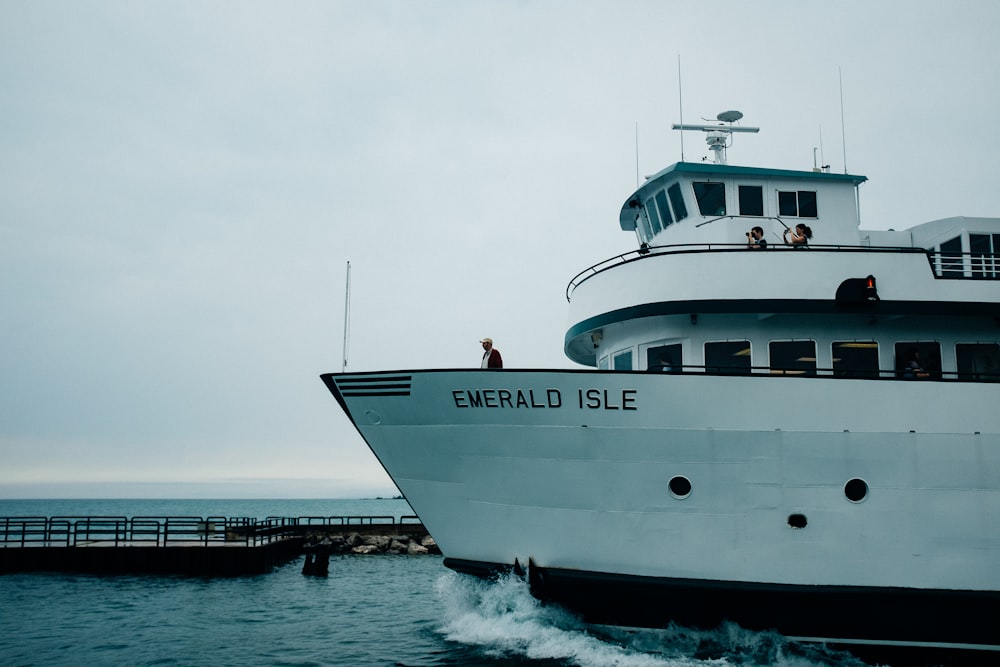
(347, 315)
(680, 102)
(636, 155)
(822, 155)
(843, 133)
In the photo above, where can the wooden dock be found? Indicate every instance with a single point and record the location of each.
(191, 546)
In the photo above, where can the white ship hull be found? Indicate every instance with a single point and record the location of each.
(571, 470)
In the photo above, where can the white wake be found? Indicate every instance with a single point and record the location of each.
(502, 619)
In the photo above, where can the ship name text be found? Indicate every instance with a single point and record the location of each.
(584, 399)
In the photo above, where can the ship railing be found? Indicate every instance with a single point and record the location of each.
(943, 264)
(965, 265)
(856, 373)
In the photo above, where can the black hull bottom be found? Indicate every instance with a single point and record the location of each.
(913, 626)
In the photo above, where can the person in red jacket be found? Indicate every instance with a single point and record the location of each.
(491, 356)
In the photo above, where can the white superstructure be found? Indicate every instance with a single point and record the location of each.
(803, 438)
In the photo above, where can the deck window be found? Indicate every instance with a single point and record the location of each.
(677, 201)
(622, 361)
(978, 361)
(918, 359)
(602, 365)
(855, 359)
(950, 257)
(794, 357)
(751, 200)
(797, 204)
(985, 255)
(711, 198)
(729, 357)
(664, 358)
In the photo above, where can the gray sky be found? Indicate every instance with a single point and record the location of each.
(182, 184)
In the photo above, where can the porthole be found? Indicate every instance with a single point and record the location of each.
(797, 520)
(856, 490)
(680, 487)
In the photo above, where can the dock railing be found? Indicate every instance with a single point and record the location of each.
(71, 531)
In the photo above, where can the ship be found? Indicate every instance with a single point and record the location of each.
(800, 435)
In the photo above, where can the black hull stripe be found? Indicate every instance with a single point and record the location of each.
(380, 385)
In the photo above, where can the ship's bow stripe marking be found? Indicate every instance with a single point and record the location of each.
(382, 385)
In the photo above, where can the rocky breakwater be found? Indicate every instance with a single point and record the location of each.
(320, 545)
(356, 543)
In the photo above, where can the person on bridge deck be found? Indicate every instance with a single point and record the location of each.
(800, 236)
(491, 356)
(755, 238)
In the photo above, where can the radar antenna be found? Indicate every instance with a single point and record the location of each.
(719, 136)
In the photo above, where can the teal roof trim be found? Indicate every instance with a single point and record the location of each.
(702, 168)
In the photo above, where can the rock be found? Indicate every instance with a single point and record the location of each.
(365, 549)
(414, 549)
(354, 539)
(380, 542)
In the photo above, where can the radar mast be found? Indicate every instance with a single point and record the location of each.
(718, 136)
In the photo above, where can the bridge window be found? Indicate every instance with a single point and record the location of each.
(677, 201)
(751, 200)
(661, 203)
(622, 361)
(602, 365)
(664, 358)
(797, 204)
(654, 219)
(978, 361)
(795, 357)
(642, 225)
(711, 198)
(855, 359)
(729, 357)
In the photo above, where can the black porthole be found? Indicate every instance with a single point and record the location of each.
(680, 486)
(856, 490)
(797, 520)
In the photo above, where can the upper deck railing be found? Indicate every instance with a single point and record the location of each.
(943, 264)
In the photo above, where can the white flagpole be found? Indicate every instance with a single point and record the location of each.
(347, 315)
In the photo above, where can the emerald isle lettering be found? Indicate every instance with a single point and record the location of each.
(586, 399)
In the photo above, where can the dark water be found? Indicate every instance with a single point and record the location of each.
(371, 610)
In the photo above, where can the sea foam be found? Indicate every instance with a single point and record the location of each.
(502, 619)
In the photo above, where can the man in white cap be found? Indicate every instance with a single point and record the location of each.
(491, 357)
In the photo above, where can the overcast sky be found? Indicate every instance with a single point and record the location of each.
(183, 183)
